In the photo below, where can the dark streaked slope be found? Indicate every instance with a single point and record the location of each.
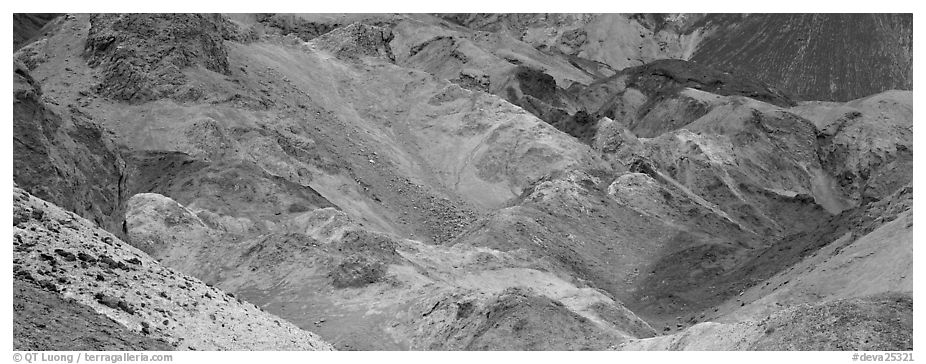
(62, 155)
(815, 56)
(27, 26)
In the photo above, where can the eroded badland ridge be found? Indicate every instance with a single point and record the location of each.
(462, 182)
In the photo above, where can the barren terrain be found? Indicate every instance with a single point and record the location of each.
(456, 182)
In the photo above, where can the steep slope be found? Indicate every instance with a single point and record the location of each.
(62, 155)
(69, 257)
(27, 26)
(44, 320)
(826, 57)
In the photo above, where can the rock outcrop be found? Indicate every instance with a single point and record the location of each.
(142, 56)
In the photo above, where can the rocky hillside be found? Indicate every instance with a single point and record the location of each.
(104, 282)
(826, 57)
(615, 40)
(45, 320)
(865, 143)
(875, 322)
(449, 182)
(394, 288)
(63, 155)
